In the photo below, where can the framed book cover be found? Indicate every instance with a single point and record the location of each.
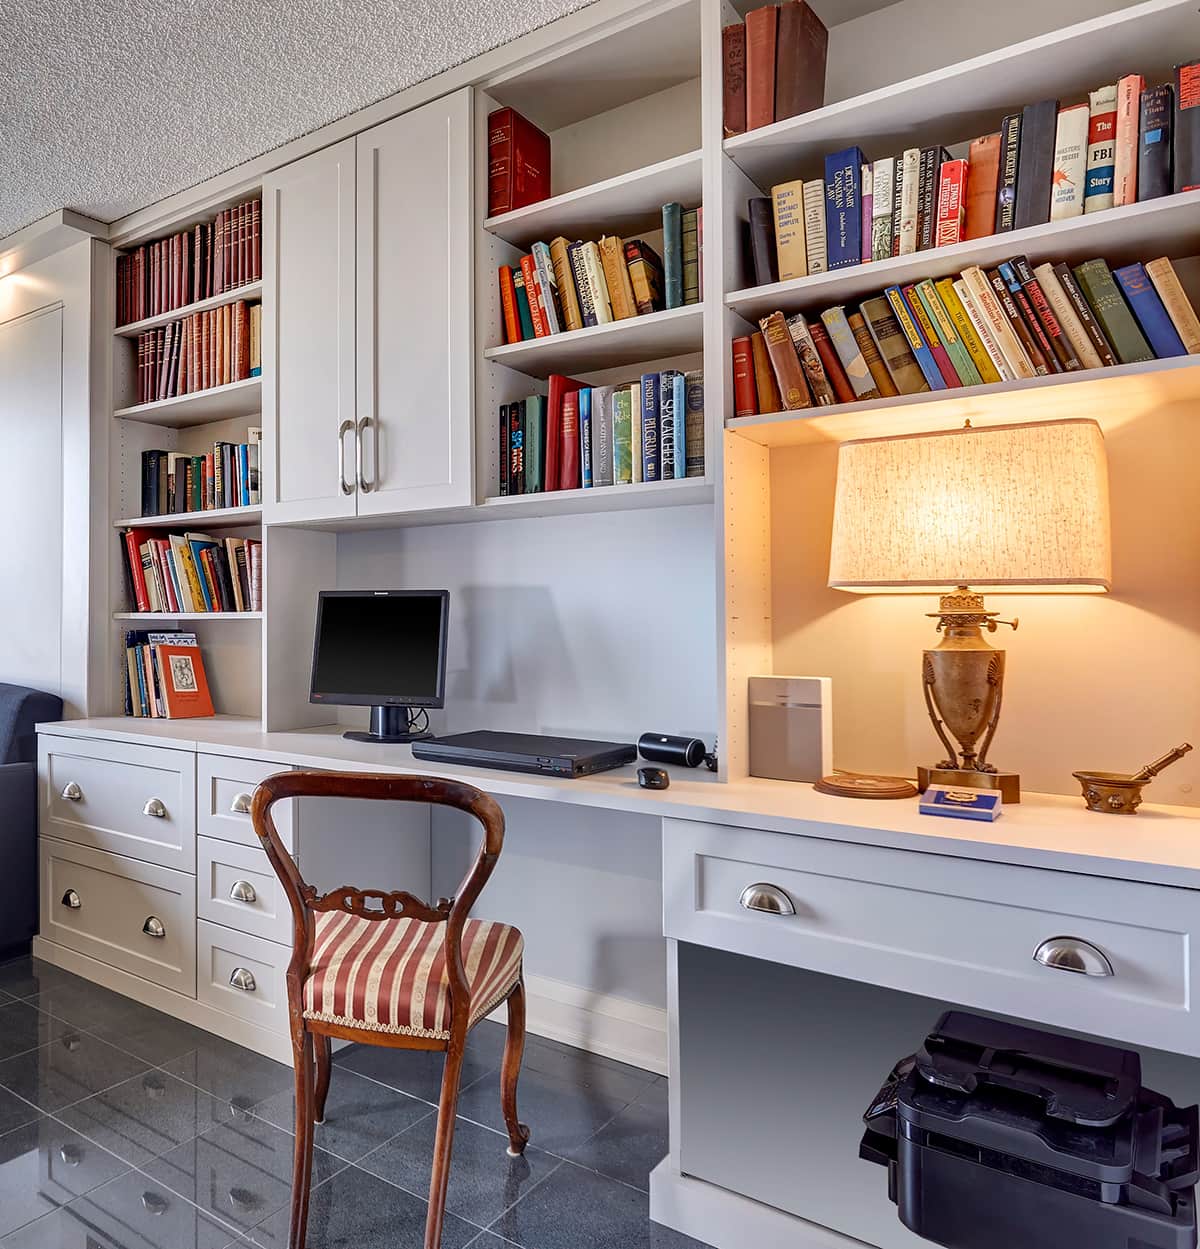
(183, 682)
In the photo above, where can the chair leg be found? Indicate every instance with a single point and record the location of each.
(302, 1163)
(510, 1070)
(439, 1180)
(324, 1055)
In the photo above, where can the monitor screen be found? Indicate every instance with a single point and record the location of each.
(380, 648)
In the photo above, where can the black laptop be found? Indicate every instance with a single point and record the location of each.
(526, 752)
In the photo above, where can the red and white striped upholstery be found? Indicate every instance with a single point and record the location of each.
(389, 975)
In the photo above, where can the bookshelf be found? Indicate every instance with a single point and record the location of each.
(191, 616)
(213, 518)
(250, 291)
(201, 407)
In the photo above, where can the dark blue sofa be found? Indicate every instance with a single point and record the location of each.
(20, 710)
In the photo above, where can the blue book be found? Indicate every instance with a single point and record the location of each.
(1151, 315)
(585, 438)
(197, 545)
(651, 459)
(679, 393)
(243, 475)
(843, 208)
(915, 339)
(961, 804)
(667, 441)
(141, 678)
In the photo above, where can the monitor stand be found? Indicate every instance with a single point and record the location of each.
(391, 725)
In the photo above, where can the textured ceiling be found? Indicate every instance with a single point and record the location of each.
(108, 106)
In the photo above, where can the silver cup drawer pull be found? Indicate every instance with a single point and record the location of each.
(243, 979)
(244, 891)
(71, 792)
(71, 900)
(155, 808)
(154, 927)
(769, 899)
(1073, 954)
(241, 804)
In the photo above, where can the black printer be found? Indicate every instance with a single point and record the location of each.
(996, 1136)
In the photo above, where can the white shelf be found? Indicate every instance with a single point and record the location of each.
(958, 102)
(1116, 397)
(654, 336)
(187, 615)
(622, 205)
(675, 493)
(1166, 226)
(218, 403)
(220, 517)
(251, 290)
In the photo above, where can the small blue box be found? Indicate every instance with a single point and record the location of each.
(961, 804)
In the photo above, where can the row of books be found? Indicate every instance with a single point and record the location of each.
(1014, 321)
(197, 352)
(774, 66)
(1125, 145)
(564, 286)
(225, 477)
(207, 260)
(581, 436)
(192, 572)
(164, 676)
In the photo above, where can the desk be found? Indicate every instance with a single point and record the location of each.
(895, 913)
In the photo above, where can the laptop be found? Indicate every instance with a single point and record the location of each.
(526, 752)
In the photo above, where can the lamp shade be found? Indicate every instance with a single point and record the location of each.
(1001, 506)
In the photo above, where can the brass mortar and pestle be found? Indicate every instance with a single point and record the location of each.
(1120, 793)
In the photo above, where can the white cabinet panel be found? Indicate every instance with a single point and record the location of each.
(224, 788)
(242, 975)
(237, 887)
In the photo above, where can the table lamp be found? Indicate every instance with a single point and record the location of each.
(1005, 507)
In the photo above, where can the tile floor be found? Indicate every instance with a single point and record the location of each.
(121, 1128)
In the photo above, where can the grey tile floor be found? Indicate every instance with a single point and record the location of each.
(121, 1128)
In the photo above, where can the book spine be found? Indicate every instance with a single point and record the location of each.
(793, 389)
(893, 348)
(1033, 326)
(602, 453)
(1129, 97)
(569, 470)
(810, 361)
(843, 208)
(1000, 320)
(1179, 308)
(838, 327)
(951, 211)
(831, 363)
(651, 453)
(1083, 310)
(1102, 149)
(814, 226)
(1148, 308)
(1035, 167)
(622, 436)
(1101, 291)
(1070, 162)
(769, 399)
(1021, 330)
(883, 189)
(984, 331)
(516, 443)
(666, 423)
(672, 221)
(1067, 317)
(762, 241)
(1187, 127)
(968, 335)
(587, 305)
(802, 43)
(1056, 336)
(927, 203)
(867, 199)
(745, 396)
(884, 385)
(564, 281)
(929, 332)
(693, 391)
(947, 332)
(1156, 124)
(616, 278)
(761, 33)
(1006, 185)
(910, 200)
(787, 207)
(733, 81)
(508, 305)
(599, 287)
(537, 307)
(915, 339)
(500, 164)
(691, 258)
(547, 287)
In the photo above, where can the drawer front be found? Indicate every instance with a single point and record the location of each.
(236, 886)
(958, 929)
(224, 788)
(242, 975)
(135, 916)
(137, 801)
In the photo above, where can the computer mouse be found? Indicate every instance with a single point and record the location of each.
(653, 778)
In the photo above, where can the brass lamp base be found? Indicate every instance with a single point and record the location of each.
(1008, 783)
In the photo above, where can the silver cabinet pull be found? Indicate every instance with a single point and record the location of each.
(346, 427)
(154, 1203)
(243, 891)
(363, 484)
(767, 898)
(241, 804)
(1075, 955)
(72, 793)
(154, 927)
(155, 809)
(71, 1155)
(71, 899)
(243, 979)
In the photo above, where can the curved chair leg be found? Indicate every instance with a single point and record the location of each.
(510, 1070)
(439, 1180)
(324, 1056)
(302, 1163)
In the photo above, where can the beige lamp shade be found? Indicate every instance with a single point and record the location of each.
(1002, 506)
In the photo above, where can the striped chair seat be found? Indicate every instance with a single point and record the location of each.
(389, 975)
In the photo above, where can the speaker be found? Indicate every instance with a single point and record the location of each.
(791, 728)
(688, 752)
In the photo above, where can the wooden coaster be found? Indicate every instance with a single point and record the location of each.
(851, 785)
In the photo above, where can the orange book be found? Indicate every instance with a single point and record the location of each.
(983, 175)
(182, 682)
(508, 305)
(764, 376)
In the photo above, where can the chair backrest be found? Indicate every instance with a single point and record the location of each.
(373, 904)
(20, 710)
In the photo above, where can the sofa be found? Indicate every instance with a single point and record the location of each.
(21, 710)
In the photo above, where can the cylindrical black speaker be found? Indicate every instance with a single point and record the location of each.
(688, 752)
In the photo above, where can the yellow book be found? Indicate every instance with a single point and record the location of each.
(966, 331)
(787, 203)
(616, 275)
(565, 281)
(255, 340)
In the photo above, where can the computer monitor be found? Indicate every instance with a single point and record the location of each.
(383, 649)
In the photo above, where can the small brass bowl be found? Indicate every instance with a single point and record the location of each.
(1111, 793)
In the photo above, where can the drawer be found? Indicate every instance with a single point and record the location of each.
(110, 908)
(224, 787)
(236, 886)
(137, 801)
(944, 927)
(242, 975)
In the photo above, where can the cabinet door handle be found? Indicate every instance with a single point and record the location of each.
(243, 891)
(243, 978)
(154, 927)
(155, 809)
(767, 898)
(241, 804)
(346, 427)
(363, 484)
(1075, 955)
(72, 793)
(71, 900)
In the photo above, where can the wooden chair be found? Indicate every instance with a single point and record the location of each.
(388, 969)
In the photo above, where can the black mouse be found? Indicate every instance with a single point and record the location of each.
(653, 778)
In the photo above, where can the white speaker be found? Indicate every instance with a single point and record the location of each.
(791, 728)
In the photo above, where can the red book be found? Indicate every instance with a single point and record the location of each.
(162, 548)
(559, 387)
(508, 305)
(733, 56)
(533, 289)
(243, 243)
(761, 28)
(951, 213)
(568, 455)
(745, 396)
(801, 47)
(134, 540)
(518, 162)
(182, 682)
(256, 241)
(831, 362)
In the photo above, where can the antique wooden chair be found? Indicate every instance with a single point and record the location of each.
(388, 969)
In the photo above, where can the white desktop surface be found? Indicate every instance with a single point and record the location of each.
(1160, 845)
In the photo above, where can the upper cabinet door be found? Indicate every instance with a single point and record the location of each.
(414, 310)
(308, 337)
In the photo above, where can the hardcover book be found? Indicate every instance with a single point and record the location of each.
(1047, 318)
(1067, 317)
(1150, 311)
(831, 363)
(929, 333)
(1038, 342)
(537, 307)
(1129, 98)
(761, 34)
(650, 418)
(1187, 126)
(867, 200)
(916, 341)
(672, 219)
(897, 203)
(691, 256)
(556, 436)
(745, 394)
(616, 278)
(1018, 324)
(670, 424)
(1035, 165)
(182, 682)
(1120, 327)
(645, 275)
(984, 331)
(1156, 124)
(508, 305)
(622, 436)
(789, 375)
(870, 353)
(893, 346)
(693, 391)
(1102, 149)
(947, 332)
(585, 438)
(801, 46)
(635, 429)
(602, 429)
(1083, 310)
(932, 159)
(787, 205)
(951, 206)
(985, 298)
(843, 208)
(1070, 162)
(535, 425)
(1179, 307)
(762, 241)
(594, 268)
(1006, 186)
(883, 176)
(518, 162)
(810, 361)
(764, 376)
(968, 335)
(838, 327)
(814, 225)
(733, 96)
(547, 286)
(910, 200)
